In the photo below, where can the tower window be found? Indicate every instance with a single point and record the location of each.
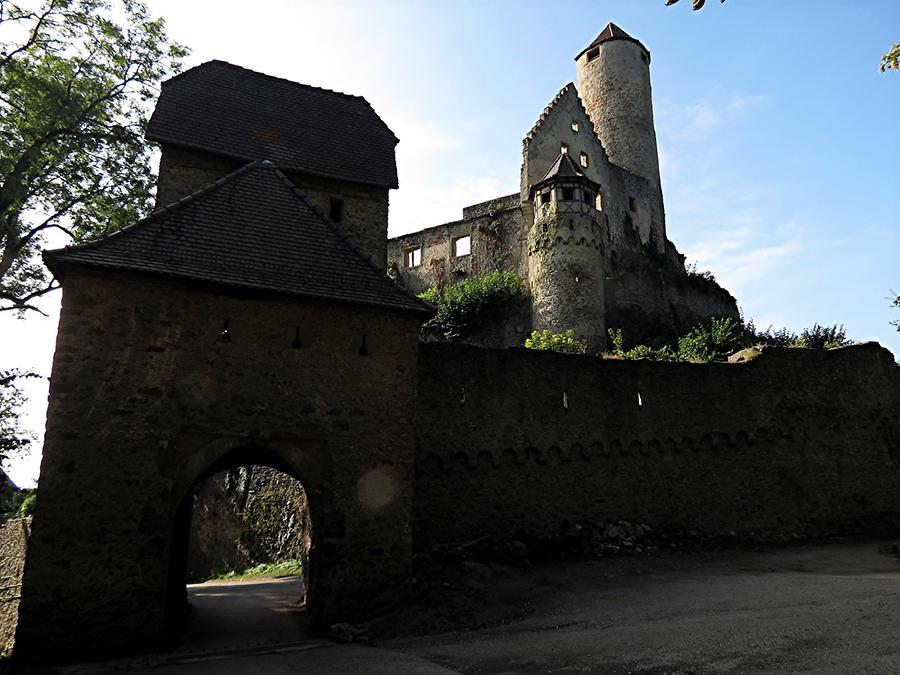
(414, 256)
(462, 246)
(575, 126)
(587, 196)
(599, 201)
(593, 54)
(584, 159)
(564, 149)
(567, 194)
(545, 197)
(632, 204)
(336, 210)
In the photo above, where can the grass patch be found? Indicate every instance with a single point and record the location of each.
(288, 568)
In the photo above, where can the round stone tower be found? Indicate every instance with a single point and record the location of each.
(614, 85)
(565, 268)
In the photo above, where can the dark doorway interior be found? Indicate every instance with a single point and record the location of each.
(239, 573)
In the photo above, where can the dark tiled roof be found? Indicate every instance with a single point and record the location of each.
(613, 32)
(228, 110)
(564, 168)
(252, 229)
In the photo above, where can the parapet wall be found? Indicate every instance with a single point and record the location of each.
(13, 543)
(794, 441)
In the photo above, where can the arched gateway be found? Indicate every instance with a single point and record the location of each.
(236, 325)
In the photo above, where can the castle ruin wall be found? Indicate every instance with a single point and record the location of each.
(804, 441)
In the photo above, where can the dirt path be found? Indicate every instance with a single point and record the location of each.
(824, 609)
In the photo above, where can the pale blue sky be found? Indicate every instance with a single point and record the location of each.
(777, 133)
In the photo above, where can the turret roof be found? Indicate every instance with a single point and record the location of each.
(563, 169)
(252, 229)
(612, 32)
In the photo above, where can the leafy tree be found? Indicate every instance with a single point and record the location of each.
(13, 440)
(75, 79)
(565, 343)
(895, 302)
(695, 4)
(891, 60)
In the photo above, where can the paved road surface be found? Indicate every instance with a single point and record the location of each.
(819, 609)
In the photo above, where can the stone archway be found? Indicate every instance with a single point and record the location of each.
(306, 461)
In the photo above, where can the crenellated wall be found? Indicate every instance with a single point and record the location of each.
(796, 440)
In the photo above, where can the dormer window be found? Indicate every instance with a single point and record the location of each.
(593, 54)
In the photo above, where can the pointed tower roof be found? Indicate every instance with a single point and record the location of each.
(252, 229)
(564, 169)
(612, 32)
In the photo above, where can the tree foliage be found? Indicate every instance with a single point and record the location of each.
(467, 304)
(75, 80)
(695, 4)
(14, 441)
(891, 60)
(565, 343)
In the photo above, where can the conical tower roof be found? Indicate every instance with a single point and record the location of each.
(612, 32)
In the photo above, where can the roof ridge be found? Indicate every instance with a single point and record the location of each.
(303, 85)
(168, 208)
(547, 109)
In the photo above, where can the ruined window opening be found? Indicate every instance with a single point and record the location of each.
(564, 149)
(584, 159)
(462, 246)
(545, 197)
(336, 210)
(567, 194)
(593, 54)
(414, 256)
(632, 204)
(575, 126)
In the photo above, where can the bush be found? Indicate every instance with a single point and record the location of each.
(26, 506)
(465, 305)
(711, 342)
(565, 343)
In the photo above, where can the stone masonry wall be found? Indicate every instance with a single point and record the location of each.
(183, 171)
(13, 544)
(145, 400)
(796, 440)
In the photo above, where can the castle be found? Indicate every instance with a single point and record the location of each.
(249, 321)
(587, 229)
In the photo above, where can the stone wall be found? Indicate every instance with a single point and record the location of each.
(146, 400)
(364, 212)
(13, 544)
(796, 441)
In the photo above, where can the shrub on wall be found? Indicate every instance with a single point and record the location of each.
(465, 305)
(565, 343)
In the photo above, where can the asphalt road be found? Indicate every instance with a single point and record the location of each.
(825, 609)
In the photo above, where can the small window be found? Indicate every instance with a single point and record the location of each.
(567, 194)
(593, 54)
(587, 196)
(545, 197)
(336, 210)
(414, 257)
(575, 126)
(599, 201)
(462, 246)
(632, 204)
(584, 159)
(564, 149)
